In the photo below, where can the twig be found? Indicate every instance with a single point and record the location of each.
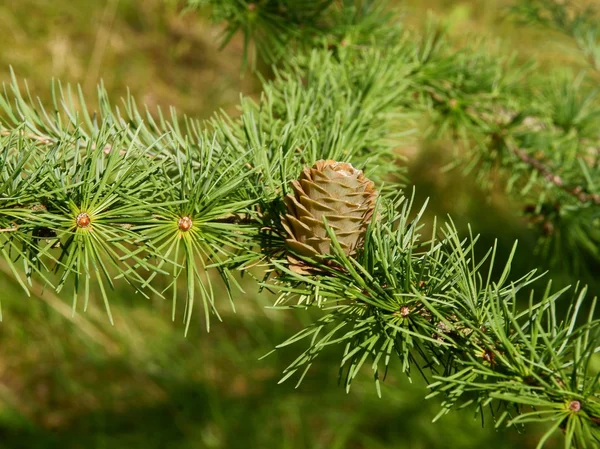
(577, 191)
(14, 228)
(42, 139)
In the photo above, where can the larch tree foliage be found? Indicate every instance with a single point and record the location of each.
(305, 185)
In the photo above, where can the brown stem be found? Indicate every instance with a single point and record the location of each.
(42, 139)
(14, 228)
(235, 219)
(576, 191)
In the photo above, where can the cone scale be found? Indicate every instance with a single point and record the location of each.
(336, 191)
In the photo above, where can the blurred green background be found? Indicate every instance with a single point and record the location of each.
(77, 382)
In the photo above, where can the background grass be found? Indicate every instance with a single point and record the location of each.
(76, 382)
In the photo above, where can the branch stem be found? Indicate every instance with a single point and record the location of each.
(577, 191)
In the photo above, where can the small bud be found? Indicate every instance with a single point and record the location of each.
(39, 207)
(548, 228)
(404, 311)
(575, 406)
(83, 220)
(489, 357)
(185, 224)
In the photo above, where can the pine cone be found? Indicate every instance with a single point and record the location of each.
(336, 191)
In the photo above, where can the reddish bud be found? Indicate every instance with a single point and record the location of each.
(83, 220)
(575, 406)
(185, 224)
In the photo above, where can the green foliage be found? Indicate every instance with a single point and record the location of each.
(119, 195)
(434, 306)
(271, 27)
(534, 134)
(137, 176)
(133, 187)
(577, 22)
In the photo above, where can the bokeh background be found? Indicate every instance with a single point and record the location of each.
(78, 382)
